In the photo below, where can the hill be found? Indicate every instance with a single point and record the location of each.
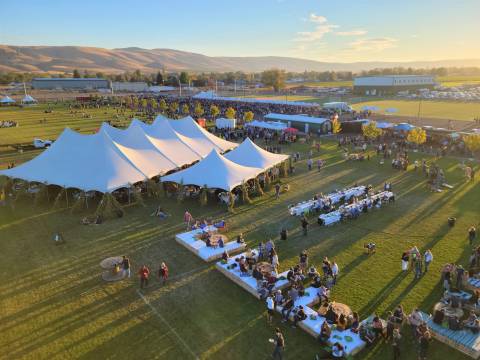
(66, 58)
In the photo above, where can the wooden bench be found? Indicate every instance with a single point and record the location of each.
(462, 340)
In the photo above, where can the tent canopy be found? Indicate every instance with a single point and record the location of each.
(86, 162)
(7, 100)
(249, 154)
(384, 125)
(215, 172)
(27, 99)
(404, 127)
(271, 125)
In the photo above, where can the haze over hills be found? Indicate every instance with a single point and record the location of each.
(57, 59)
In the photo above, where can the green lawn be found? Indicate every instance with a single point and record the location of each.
(452, 81)
(30, 126)
(429, 109)
(53, 303)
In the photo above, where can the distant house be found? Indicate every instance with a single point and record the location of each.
(391, 84)
(302, 122)
(70, 84)
(125, 86)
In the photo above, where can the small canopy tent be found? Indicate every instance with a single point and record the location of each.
(85, 162)
(249, 154)
(271, 125)
(404, 127)
(28, 100)
(384, 125)
(7, 100)
(216, 172)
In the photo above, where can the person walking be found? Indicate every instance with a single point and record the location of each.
(126, 266)
(144, 274)
(163, 273)
(472, 234)
(424, 345)
(428, 258)
(309, 164)
(418, 268)
(279, 342)
(304, 222)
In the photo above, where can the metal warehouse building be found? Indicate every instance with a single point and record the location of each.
(70, 83)
(391, 84)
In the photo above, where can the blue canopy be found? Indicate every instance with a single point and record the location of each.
(404, 127)
(384, 125)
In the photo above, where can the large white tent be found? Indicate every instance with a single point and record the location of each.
(249, 154)
(87, 162)
(215, 172)
(190, 129)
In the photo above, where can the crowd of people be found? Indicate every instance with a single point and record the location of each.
(8, 124)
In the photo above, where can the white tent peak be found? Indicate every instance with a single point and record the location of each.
(250, 154)
(215, 172)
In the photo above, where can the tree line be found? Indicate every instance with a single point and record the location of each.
(273, 77)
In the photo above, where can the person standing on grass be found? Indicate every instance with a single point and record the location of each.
(428, 257)
(163, 273)
(126, 266)
(396, 337)
(144, 274)
(304, 223)
(279, 342)
(424, 345)
(270, 308)
(335, 272)
(418, 268)
(277, 191)
(309, 164)
(472, 234)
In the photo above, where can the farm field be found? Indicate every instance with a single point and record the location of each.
(429, 109)
(31, 125)
(54, 304)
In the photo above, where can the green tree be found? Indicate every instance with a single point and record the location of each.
(417, 136)
(274, 78)
(472, 142)
(230, 113)
(214, 111)
(99, 75)
(163, 105)
(174, 107)
(198, 110)
(144, 103)
(248, 116)
(185, 109)
(336, 126)
(371, 131)
(184, 77)
(76, 74)
(159, 78)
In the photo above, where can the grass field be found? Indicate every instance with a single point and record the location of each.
(429, 109)
(452, 81)
(30, 126)
(53, 303)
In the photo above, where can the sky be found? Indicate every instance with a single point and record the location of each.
(323, 30)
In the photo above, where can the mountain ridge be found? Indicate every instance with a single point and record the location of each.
(58, 59)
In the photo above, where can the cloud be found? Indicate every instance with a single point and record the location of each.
(317, 34)
(358, 32)
(319, 19)
(374, 44)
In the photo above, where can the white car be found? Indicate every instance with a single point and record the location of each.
(40, 144)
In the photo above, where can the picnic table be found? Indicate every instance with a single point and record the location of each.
(448, 310)
(338, 308)
(110, 262)
(215, 238)
(264, 267)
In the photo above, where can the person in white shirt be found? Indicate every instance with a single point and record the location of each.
(428, 257)
(270, 308)
(335, 271)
